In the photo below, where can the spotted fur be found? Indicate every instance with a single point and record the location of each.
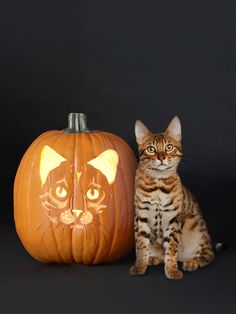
(169, 226)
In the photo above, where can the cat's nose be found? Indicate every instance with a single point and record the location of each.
(77, 212)
(161, 156)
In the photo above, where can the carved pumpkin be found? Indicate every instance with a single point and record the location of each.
(73, 196)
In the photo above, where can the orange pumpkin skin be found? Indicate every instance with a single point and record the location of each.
(109, 236)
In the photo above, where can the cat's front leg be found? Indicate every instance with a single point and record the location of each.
(172, 238)
(142, 255)
(142, 239)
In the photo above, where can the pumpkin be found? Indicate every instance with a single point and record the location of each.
(73, 196)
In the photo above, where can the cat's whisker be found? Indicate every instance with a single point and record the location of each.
(186, 160)
(187, 167)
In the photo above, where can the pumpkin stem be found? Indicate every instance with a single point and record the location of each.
(76, 123)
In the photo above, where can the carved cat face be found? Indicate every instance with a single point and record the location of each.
(73, 194)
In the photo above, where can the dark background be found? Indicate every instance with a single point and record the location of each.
(119, 61)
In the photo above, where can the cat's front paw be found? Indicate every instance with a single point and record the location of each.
(153, 260)
(138, 270)
(190, 265)
(173, 273)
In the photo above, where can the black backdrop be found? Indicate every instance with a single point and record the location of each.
(119, 61)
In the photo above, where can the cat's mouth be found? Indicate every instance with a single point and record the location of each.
(161, 168)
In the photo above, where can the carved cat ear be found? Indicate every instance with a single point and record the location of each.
(174, 128)
(49, 160)
(141, 131)
(107, 163)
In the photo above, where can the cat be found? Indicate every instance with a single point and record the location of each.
(73, 195)
(168, 225)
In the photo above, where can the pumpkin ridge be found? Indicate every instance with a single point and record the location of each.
(123, 175)
(100, 139)
(131, 216)
(98, 246)
(65, 228)
(116, 214)
(73, 259)
(29, 183)
(74, 167)
(108, 138)
(97, 243)
(84, 230)
(19, 177)
(73, 232)
(50, 226)
(52, 230)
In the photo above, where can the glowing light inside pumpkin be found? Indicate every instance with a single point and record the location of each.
(93, 194)
(49, 160)
(77, 212)
(107, 163)
(86, 218)
(61, 192)
(66, 217)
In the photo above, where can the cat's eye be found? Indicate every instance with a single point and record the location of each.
(151, 149)
(61, 192)
(169, 147)
(93, 194)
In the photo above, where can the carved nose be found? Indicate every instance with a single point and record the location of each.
(77, 202)
(77, 212)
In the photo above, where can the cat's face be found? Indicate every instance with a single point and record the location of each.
(73, 194)
(160, 152)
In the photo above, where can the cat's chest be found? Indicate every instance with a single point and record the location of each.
(162, 212)
(162, 200)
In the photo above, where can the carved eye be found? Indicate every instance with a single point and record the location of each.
(61, 192)
(169, 147)
(151, 149)
(93, 194)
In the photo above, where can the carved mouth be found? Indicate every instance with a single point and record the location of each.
(76, 216)
(86, 218)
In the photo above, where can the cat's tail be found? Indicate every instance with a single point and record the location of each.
(219, 246)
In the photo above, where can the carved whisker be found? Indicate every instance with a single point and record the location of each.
(94, 234)
(104, 236)
(40, 225)
(103, 226)
(85, 232)
(44, 233)
(63, 230)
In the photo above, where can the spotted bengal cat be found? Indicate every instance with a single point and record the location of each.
(169, 226)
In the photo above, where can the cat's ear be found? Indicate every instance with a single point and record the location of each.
(141, 131)
(174, 128)
(107, 163)
(49, 160)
